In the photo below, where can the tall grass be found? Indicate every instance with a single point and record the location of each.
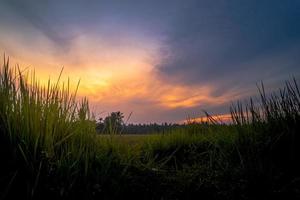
(274, 120)
(45, 132)
(268, 142)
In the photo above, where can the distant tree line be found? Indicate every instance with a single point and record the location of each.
(114, 124)
(148, 128)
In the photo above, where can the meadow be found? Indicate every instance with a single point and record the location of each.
(49, 149)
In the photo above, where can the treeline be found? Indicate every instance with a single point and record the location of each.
(148, 128)
(114, 124)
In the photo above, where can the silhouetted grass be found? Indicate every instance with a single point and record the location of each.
(49, 149)
(268, 142)
(48, 139)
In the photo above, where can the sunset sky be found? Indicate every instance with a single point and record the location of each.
(163, 60)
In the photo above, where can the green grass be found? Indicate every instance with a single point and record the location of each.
(49, 149)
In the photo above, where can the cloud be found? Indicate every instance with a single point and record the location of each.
(44, 17)
(222, 42)
(163, 60)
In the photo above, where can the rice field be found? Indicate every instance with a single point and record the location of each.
(50, 149)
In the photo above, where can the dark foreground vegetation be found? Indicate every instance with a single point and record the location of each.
(49, 149)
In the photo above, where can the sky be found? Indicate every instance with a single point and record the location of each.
(162, 60)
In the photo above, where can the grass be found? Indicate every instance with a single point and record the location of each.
(49, 149)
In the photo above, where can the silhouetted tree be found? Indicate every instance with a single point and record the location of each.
(112, 124)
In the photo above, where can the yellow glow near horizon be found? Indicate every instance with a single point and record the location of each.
(223, 118)
(119, 76)
(107, 83)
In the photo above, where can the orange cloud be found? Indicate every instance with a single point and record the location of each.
(222, 118)
(113, 76)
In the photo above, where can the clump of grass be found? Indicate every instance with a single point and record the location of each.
(268, 142)
(274, 119)
(48, 138)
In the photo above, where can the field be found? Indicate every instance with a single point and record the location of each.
(49, 149)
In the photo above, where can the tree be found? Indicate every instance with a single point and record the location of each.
(112, 124)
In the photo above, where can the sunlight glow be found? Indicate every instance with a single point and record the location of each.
(119, 76)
